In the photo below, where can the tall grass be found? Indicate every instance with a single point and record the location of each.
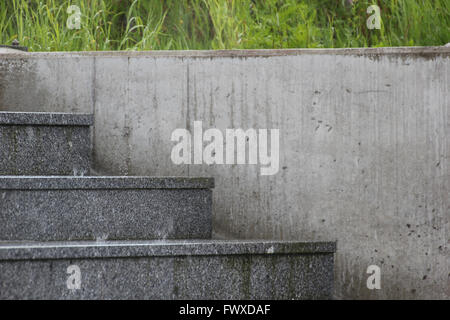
(221, 24)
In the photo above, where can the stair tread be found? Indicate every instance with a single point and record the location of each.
(195, 269)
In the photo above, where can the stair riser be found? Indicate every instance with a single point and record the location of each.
(116, 214)
(44, 150)
(265, 276)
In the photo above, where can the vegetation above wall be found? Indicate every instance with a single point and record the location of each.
(45, 25)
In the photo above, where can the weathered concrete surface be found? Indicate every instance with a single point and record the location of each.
(168, 270)
(364, 142)
(8, 49)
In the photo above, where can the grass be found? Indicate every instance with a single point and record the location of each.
(221, 24)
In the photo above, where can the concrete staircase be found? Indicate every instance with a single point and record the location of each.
(67, 235)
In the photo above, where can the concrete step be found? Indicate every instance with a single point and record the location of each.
(45, 143)
(167, 270)
(105, 208)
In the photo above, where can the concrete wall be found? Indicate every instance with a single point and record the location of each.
(364, 144)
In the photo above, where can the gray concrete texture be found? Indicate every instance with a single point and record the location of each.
(104, 208)
(364, 144)
(168, 270)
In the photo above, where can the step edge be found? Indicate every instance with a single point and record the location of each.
(45, 119)
(157, 248)
(103, 182)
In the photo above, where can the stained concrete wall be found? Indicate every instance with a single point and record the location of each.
(364, 144)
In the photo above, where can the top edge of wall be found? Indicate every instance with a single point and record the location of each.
(424, 52)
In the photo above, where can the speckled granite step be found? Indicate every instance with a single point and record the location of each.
(167, 270)
(106, 208)
(45, 143)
